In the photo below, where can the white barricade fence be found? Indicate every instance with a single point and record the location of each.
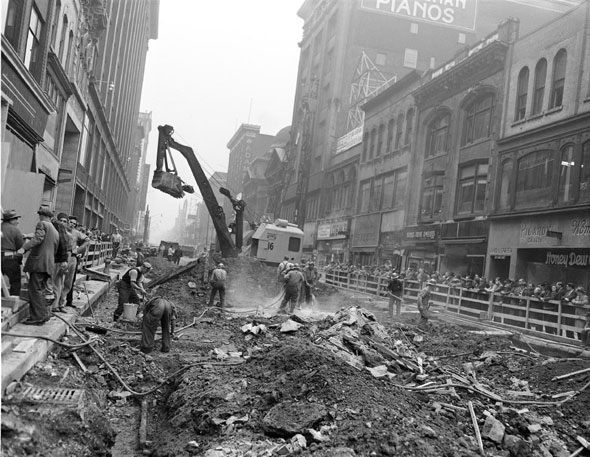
(551, 319)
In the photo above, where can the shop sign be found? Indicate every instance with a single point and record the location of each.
(451, 13)
(501, 251)
(350, 139)
(568, 259)
(333, 231)
(581, 227)
(366, 230)
(534, 233)
(422, 233)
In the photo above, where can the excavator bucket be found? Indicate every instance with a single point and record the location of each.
(169, 183)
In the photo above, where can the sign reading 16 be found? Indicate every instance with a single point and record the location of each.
(271, 246)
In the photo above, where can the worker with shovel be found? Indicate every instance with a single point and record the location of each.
(311, 276)
(394, 290)
(157, 311)
(130, 287)
(424, 302)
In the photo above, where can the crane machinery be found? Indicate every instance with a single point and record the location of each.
(169, 182)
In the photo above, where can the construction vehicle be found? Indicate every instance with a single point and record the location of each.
(169, 182)
(270, 242)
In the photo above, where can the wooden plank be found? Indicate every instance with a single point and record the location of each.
(171, 275)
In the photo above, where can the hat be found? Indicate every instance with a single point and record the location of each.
(9, 214)
(394, 275)
(147, 265)
(219, 265)
(71, 216)
(432, 282)
(44, 211)
(62, 216)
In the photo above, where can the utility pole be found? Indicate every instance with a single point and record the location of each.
(146, 226)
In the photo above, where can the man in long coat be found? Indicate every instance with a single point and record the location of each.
(40, 265)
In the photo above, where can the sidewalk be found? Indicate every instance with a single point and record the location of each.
(21, 353)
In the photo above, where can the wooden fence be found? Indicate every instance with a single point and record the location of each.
(549, 319)
(96, 253)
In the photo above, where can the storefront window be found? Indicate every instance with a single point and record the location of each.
(472, 188)
(585, 173)
(534, 179)
(566, 168)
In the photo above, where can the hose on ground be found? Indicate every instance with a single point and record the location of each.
(73, 347)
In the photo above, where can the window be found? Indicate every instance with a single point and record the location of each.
(33, 39)
(375, 203)
(390, 129)
(401, 184)
(462, 38)
(294, 244)
(539, 90)
(399, 131)
(12, 18)
(558, 81)
(409, 125)
(54, 28)
(432, 196)
(566, 168)
(410, 58)
(534, 179)
(437, 138)
(471, 190)
(85, 141)
(380, 136)
(521, 93)
(505, 184)
(62, 40)
(364, 196)
(365, 146)
(585, 172)
(477, 120)
(393, 189)
(381, 59)
(432, 63)
(414, 28)
(373, 143)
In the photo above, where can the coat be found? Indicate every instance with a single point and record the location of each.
(43, 247)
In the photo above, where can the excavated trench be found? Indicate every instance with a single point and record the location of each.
(339, 385)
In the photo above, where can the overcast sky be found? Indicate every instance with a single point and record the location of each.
(215, 65)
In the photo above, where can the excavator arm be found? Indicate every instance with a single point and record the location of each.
(165, 142)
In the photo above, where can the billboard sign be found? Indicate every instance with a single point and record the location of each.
(458, 14)
(350, 139)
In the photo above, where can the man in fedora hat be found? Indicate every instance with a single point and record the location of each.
(12, 241)
(40, 265)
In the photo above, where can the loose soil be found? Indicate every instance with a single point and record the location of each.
(225, 392)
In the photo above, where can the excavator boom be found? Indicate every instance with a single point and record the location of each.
(165, 141)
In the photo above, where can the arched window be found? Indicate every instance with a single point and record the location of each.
(558, 80)
(373, 143)
(69, 52)
(505, 184)
(522, 88)
(399, 131)
(585, 173)
(54, 28)
(365, 146)
(390, 128)
(438, 135)
(380, 136)
(566, 169)
(539, 90)
(534, 179)
(409, 125)
(478, 116)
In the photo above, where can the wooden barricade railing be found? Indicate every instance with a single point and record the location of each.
(550, 319)
(96, 253)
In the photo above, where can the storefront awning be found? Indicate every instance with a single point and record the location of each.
(464, 241)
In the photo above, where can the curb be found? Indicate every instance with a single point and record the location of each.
(31, 349)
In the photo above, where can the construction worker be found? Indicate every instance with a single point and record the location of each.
(157, 311)
(395, 290)
(424, 301)
(130, 287)
(217, 281)
(311, 276)
(293, 283)
(281, 270)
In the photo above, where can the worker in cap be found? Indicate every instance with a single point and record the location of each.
(217, 281)
(424, 302)
(12, 242)
(294, 281)
(130, 287)
(395, 290)
(311, 276)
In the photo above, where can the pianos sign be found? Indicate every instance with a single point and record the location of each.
(452, 13)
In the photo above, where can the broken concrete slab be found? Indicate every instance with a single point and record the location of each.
(493, 429)
(291, 418)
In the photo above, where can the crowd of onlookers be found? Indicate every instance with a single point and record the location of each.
(566, 292)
